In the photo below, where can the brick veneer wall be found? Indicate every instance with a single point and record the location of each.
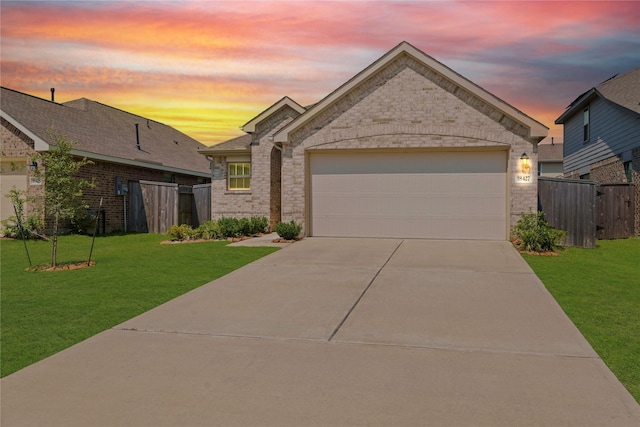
(257, 200)
(400, 108)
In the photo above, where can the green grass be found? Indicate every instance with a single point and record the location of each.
(45, 312)
(599, 289)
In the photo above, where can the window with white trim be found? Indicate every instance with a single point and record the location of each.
(239, 176)
(585, 124)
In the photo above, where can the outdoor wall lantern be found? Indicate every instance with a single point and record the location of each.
(33, 165)
(524, 163)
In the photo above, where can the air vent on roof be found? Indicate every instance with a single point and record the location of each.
(53, 89)
(137, 138)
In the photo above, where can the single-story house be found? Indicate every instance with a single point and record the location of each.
(124, 147)
(602, 134)
(550, 160)
(407, 148)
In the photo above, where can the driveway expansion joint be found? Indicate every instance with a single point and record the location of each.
(373, 279)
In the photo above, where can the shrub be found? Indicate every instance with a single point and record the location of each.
(32, 228)
(535, 234)
(229, 227)
(209, 230)
(259, 224)
(288, 230)
(180, 232)
(244, 227)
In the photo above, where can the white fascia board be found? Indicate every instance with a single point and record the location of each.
(537, 129)
(38, 143)
(137, 163)
(250, 126)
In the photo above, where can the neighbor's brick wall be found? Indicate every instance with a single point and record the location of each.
(105, 175)
(403, 109)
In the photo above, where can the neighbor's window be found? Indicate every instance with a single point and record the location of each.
(585, 124)
(239, 176)
(628, 171)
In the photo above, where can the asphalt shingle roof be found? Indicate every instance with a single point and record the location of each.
(105, 131)
(550, 152)
(624, 90)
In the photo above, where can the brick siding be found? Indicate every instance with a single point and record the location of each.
(400, 108)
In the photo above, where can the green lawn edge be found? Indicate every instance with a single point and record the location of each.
(42, 313)
(599, 290)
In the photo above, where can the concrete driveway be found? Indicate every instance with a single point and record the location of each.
(338, 332)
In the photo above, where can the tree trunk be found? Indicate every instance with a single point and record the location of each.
(54, 253)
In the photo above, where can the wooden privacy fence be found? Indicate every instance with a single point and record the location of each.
(570, 205)
(587, 210)
(615, 211)
(155, 206)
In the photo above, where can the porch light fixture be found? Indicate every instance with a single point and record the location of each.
(33, 165)
(524, 159)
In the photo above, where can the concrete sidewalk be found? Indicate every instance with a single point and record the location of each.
(338, 332)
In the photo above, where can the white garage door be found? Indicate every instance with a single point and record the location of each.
(436, 195)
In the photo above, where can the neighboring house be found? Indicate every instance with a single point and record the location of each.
(124, 147)
(602, 134)
(406, 148)
(550, 160)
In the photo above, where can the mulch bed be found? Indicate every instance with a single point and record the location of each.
(62, 266)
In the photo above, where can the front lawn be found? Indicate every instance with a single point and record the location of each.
(45, 312)
(599, 289)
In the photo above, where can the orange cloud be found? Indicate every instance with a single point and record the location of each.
(206, 67)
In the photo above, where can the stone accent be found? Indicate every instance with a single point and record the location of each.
(608, 171)
(402, 108)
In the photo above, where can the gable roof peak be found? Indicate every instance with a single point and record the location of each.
(250, 126)
(536, 129)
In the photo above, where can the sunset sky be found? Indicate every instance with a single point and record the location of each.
(207, 67)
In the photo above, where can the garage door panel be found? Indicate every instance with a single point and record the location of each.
(466, 202)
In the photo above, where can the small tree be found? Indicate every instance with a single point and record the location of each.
(62, 188)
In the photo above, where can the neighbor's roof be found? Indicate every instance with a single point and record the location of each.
(622, 90)
(104, 133)
(536, 129)
(239, 145)
(550, 152)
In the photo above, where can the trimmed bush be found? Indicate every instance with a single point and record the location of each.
(288, 230)
(259, 224)
(535, 234)
(209, 230)
(180, 232)
(229, 227)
